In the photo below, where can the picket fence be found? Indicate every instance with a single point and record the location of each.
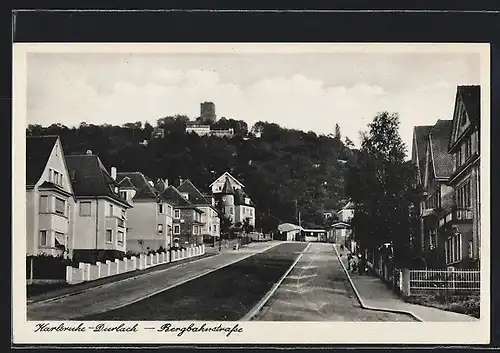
(89, 272)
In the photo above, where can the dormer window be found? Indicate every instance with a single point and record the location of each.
(186, 195)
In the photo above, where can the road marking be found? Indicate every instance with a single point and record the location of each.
(181, 282)
(273, 289)
(361, 302)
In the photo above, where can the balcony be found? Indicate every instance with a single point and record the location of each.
(457, 215)
(462, 214)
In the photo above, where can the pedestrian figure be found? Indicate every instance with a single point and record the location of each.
(349, 261)
(361, 265)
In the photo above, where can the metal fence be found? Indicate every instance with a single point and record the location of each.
(443, 280)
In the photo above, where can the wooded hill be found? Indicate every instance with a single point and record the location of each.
(278, 166)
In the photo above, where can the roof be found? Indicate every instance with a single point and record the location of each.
(240, 198)
(340, 225)
(472, 101)
(439, 139)
(288, 227)
(126, 183)
(38, 150)
(177, 200)
(421, 134)
(227, 188)
(226, 174)
(140, 182)
(195, 196)
(89, 178)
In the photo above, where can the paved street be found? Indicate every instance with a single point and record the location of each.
(226, 294)
(124, 292)
(317, 289)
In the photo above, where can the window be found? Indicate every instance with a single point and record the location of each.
(195, 229)
(55, 177)
(160, 228)
(160, 208)
(463, 120)
(85, 209)
(110, 210)
(231, 211)
(454, 248)
(60, 240)
(251, 212)
(463, 195)
(177, 229)
(468, 148)
(177, 214)
(123, 195)
(60, 206)
(124, 214)
(43, 238)
(458, 158)
(169, 210)
(44, 204)
(433, 239)
(120, 238)
(109, 235)
(215, 227)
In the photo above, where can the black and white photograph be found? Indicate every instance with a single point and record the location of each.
(251, 193)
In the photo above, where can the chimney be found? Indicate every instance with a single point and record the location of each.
(113, 173)
(165, 183)
(89, 152)
(180, 181)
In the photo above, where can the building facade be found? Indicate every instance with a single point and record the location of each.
(232, 199)
(149, 221)
(461, 226)
(187, 223)
(101, 215)
(50, 202)
(418, 156)
(437, 195)
(210, 217)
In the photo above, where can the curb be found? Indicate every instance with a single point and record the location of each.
(140, 274)
(258, 307)
(361, 302)
(180, 283)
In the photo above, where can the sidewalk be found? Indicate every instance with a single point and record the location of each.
(69, 289)
(317, 289)
(374, 294)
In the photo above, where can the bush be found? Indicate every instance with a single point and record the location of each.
(462, 304)
(47, 266)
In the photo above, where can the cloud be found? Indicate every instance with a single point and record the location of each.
(131, 91)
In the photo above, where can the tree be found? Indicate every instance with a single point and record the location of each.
(380, 182)
(337, 132)
(348, 142)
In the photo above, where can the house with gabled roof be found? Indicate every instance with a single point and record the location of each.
(210, 216)
(50, 203)
(418, 156)
(232, 199)
(187, 223)
(461, 226)
(438, 196)
(218, 183)
(101, 214)
(149, 222)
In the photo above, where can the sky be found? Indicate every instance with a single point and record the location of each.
(306, 91)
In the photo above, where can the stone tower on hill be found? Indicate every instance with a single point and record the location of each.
(207, 112)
